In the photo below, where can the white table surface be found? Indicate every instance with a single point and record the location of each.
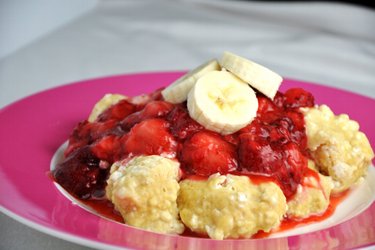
(330, 44)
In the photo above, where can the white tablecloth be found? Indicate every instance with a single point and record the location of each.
(331, 44)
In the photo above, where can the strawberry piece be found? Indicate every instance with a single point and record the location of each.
(232, 139)
(152, 109)
(279, 159)
(255, 129)
(297, 98)
(107, 148)
(182, 125)
(81, 175)
(279, 135)
(150, 137)
(297, 119)
(265, 105)
(274, 144)
(86, 133)
(141, 100)
(79, 137)
(279, 100)
(101, 129)
(206, 153)
(297, 129)
(117, 111)
(293, 170)
(156, 109)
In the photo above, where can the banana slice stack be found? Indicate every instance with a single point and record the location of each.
(257, 76)
(219, 95)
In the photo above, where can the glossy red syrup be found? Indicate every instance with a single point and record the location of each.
(105, 208)
(271, 148)
(273, 145)
(290, 223)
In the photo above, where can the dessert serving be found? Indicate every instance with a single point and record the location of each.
(219, 153)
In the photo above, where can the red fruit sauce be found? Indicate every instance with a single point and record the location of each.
(271, 148)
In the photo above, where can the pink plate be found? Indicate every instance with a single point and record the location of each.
(32, 129)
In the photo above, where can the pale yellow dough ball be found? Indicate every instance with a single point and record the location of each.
(145, 191)
(337, 146)
(312, 196)
(229, 206)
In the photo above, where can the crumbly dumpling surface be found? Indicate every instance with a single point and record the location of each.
(337, 146)
(229, 206)
(312, 197)
(144, 191)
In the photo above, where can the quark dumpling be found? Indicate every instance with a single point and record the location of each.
(337, 146)
(229, 206)
(145, 191)
(312, 197)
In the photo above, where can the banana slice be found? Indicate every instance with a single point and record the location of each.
(222, 102)
(177, 92)
(259, 77)
(104, 103)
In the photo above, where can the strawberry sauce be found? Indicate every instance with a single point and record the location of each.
(290, 223)
(271, 148)
(106, 209)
